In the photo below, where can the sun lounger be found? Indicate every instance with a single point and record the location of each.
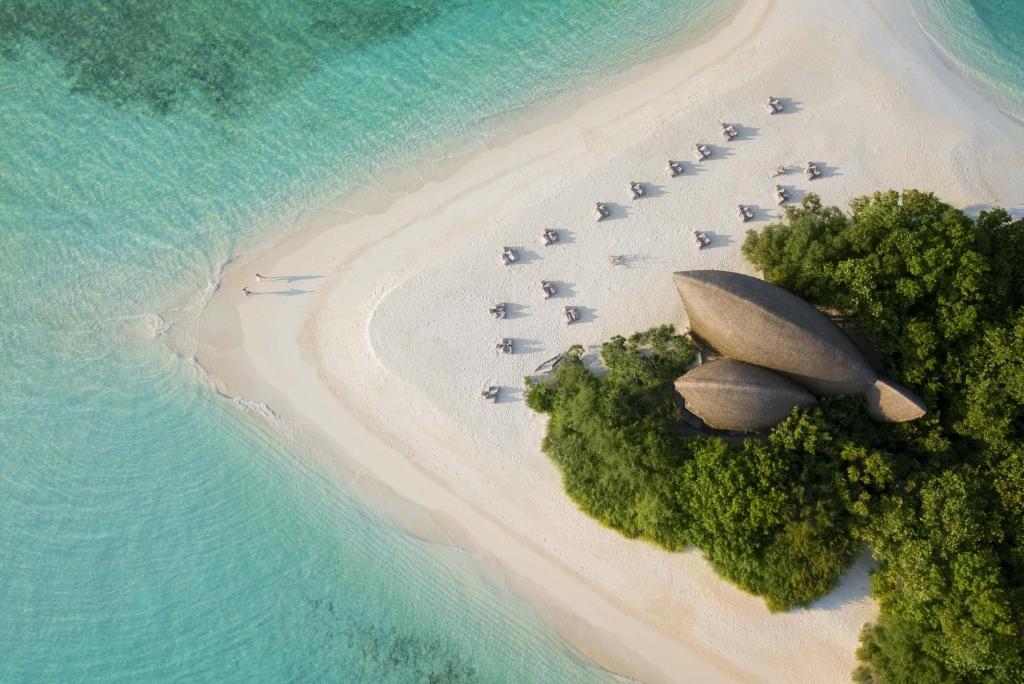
(572, 314)
(812, 171)
(701, 152)
(637, 189)
(702, 239)
(491, 393)
(548, 288)
(504, 345)
(675, 168)
(602, 210)
(744, 212)
(615, 259)
(498, 311)
(781, 196)
(780, 171)
(509, 256)
(729, 131)
(549, 237)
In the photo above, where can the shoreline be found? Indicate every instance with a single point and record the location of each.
(383, 186)
(970, 76)
(338, 358)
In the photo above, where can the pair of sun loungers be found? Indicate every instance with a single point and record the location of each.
(701, 151)
(728, 131)
(549, 237)
(781, 196)
(773, 105)
(509, 256)
(675, 168)
(744, 212)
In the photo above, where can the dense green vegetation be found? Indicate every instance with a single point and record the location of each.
(623, 461)
(938, 502)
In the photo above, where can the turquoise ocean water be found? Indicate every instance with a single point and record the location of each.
(985, 40)
(150, 530)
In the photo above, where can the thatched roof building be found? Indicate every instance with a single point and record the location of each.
(754, 321)
(732, 395)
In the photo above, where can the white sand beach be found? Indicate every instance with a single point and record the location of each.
(386, 354)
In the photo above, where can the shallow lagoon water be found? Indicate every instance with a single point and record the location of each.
(983, 39)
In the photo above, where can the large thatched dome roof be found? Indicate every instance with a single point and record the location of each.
(753, 321)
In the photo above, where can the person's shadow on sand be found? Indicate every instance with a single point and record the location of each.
(284, 293)
(290, 278)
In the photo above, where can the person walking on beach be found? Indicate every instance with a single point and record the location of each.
(246, 291)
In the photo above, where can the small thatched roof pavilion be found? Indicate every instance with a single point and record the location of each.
(732, 395)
